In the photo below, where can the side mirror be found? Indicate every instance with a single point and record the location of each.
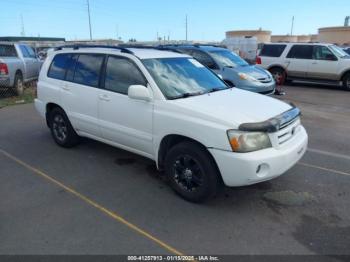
(139, 92)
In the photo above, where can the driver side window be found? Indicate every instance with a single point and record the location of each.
(323, 53)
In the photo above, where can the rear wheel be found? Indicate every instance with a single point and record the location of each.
(346, 81)
(61, 129)
(18, 84)
(191, 172)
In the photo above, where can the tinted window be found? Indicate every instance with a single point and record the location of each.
(204, 59)
(8, 50)
(122, 73)
(301, 52)
(58, 66)
(24, 51)
(71, 63)
(272, 50)
(323, 53)
(87, 70)
(30, 51)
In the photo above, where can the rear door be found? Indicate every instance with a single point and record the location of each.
(298, 60)
(79, 92)
(324, 64)
(124, 121)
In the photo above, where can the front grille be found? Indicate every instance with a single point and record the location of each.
(288, 131)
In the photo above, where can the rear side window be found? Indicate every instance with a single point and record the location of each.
(122, 73)
(301, 52)
(58, 66)
(272, 50)
(87, 69)
(8, 50)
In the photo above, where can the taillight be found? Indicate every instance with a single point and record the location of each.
(258, 60)
(4, 69)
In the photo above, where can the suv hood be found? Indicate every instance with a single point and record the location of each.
(233, 107)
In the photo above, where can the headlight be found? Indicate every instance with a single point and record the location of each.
(244, 76)
(244, 142)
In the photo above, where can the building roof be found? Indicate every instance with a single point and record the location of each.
(24, 38)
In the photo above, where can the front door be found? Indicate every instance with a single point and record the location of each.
(124, 121)
(324, 64)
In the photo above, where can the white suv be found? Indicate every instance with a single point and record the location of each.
(170, 108)
(311, 62)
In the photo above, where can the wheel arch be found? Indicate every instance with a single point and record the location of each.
(49, 107)
(346, 72)
(170, 141)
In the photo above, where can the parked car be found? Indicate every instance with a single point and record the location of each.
(233, 69)
(347, 50)
(311, 62)
(168, 107)
(18, 65)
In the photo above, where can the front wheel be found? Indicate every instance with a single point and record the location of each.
(346, 81)
(191, 172)
(61, 129)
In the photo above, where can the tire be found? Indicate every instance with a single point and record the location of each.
(279, 75)
(346, 82)
(61, 129)
(18, 84)
(191, 172)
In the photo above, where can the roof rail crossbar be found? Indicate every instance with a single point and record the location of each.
(76, 47)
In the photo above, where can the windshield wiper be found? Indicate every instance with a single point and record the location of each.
(216, 89)
(185, 95)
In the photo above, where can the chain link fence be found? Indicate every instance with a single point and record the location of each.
(12, 96)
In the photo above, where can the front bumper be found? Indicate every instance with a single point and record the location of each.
(261, 88)
(239, 169)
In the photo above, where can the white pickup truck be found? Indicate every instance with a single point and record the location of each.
(18, 65)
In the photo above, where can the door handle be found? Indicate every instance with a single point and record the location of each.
(314, 63)
(104, 98)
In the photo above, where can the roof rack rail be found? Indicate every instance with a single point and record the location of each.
(158, 47)
(76, 47)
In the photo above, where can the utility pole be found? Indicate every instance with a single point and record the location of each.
(186, 28)
(291, 30)
(88, 7)
(23, 33)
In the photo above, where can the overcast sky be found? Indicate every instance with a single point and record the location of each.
(142, 19)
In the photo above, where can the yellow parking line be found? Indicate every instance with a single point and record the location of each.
(94, 204)
(324, 169)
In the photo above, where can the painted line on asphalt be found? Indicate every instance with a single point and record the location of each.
(92, 203)
(326, 153)
(324, 169)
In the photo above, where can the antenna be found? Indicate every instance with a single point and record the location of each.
(88, 7)
(23, 33)
(291, 30)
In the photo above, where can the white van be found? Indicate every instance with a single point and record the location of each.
(168, 107)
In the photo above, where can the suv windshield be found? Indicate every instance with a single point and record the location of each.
(227, 58)
(183, 77)
(338, 51)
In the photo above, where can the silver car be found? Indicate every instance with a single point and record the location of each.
(231, 68)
